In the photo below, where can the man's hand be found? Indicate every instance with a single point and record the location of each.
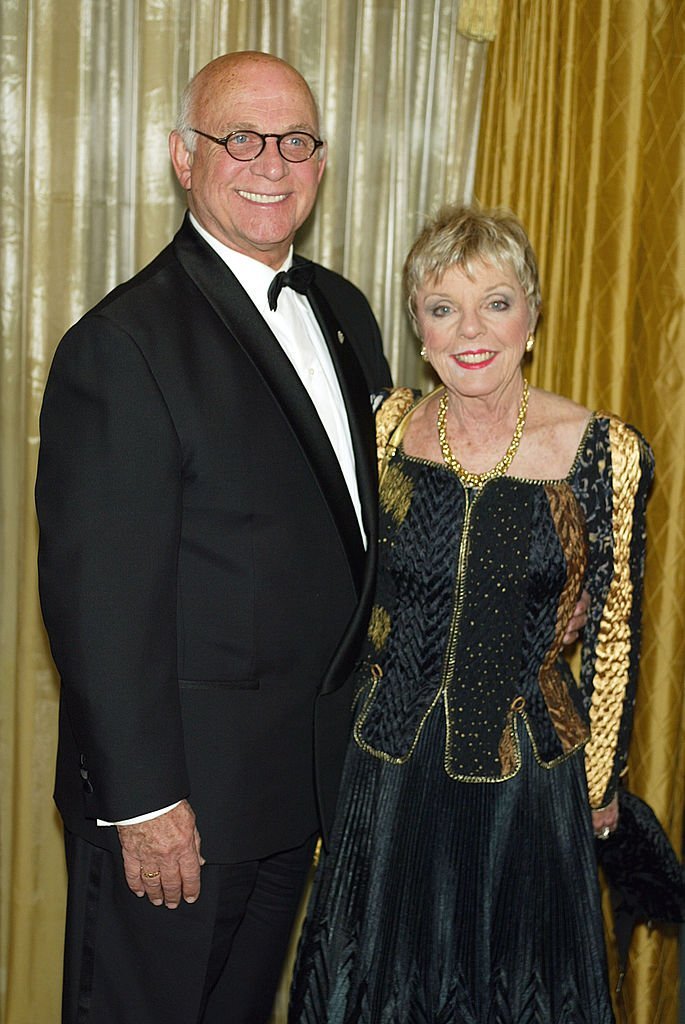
(162, 857)
(577, 620)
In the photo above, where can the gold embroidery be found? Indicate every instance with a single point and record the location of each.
(396, 493)
(379, 626)
(612, 656)
(393, 409)
(508, 749)
(566, 720)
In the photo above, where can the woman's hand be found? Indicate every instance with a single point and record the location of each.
(577, 620)
(605, 820)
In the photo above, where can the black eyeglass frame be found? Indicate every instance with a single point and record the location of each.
(263, 136)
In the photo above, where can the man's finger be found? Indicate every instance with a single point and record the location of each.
(171, 887)
(132, 874)
(189, 866)
(152, 883)
(197, 848)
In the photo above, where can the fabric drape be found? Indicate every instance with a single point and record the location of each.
(89, 92)
(583, 135)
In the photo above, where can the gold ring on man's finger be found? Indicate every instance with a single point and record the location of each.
(150, 874)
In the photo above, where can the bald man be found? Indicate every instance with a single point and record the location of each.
(207, 504)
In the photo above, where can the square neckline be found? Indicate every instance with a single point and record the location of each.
(592, 419)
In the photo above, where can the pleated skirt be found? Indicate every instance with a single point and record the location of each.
(443, 902)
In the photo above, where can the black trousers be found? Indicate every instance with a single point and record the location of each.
(217, 961)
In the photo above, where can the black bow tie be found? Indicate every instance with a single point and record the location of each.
(298, 277)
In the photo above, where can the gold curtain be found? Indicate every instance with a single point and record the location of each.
(583, 135)
(89, 93)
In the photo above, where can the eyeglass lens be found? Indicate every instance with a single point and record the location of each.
(295, 146)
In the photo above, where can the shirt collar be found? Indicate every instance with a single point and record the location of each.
(254, 276)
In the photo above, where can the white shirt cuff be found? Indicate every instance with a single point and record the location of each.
(141, 817)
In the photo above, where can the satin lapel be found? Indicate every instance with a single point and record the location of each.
(250, 331)
(355, 392)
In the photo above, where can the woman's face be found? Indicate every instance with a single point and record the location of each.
(474, 329)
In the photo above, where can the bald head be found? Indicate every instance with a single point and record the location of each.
(224, 74)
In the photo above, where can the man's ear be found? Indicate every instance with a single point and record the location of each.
(322, 161)
(181, 159)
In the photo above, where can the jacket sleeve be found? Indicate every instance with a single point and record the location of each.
(612, 638)
(109, 504)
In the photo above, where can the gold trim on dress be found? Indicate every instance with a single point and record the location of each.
(394, 408)
(395, 493)
(379, 626)
(614, 642)
(567, 722)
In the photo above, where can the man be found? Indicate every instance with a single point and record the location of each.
(206, 498)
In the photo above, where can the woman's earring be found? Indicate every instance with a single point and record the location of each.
(424, 354)
(530, 341)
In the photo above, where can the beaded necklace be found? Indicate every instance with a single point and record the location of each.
(478, 479)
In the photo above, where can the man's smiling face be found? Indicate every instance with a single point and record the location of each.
(254, 206)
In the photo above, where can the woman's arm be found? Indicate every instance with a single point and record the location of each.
(616, 531)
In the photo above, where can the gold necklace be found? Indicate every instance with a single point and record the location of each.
(478, 479)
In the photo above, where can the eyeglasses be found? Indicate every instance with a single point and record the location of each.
(296, 147)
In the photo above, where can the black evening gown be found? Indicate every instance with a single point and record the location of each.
(461, 886)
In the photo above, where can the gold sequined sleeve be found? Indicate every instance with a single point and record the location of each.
(616, 497)
(397, 404)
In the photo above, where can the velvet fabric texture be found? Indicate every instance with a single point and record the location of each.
(453, 902)
(646, 879)
(461, 884)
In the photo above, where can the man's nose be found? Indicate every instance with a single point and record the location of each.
(270, 164)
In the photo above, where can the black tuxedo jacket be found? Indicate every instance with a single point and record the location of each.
(202, 575)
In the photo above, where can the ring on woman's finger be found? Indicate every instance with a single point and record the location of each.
(603, 833)
(150, 874)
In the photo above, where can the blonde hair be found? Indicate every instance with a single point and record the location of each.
(463, 236)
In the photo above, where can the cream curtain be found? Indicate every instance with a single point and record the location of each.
(583, 135)
(89, 92)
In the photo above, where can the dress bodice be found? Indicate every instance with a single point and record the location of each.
(475, 589)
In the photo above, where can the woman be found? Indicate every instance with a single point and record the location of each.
(461, 883)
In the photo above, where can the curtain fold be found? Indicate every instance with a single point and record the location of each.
(89, 92)
(583, 135)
